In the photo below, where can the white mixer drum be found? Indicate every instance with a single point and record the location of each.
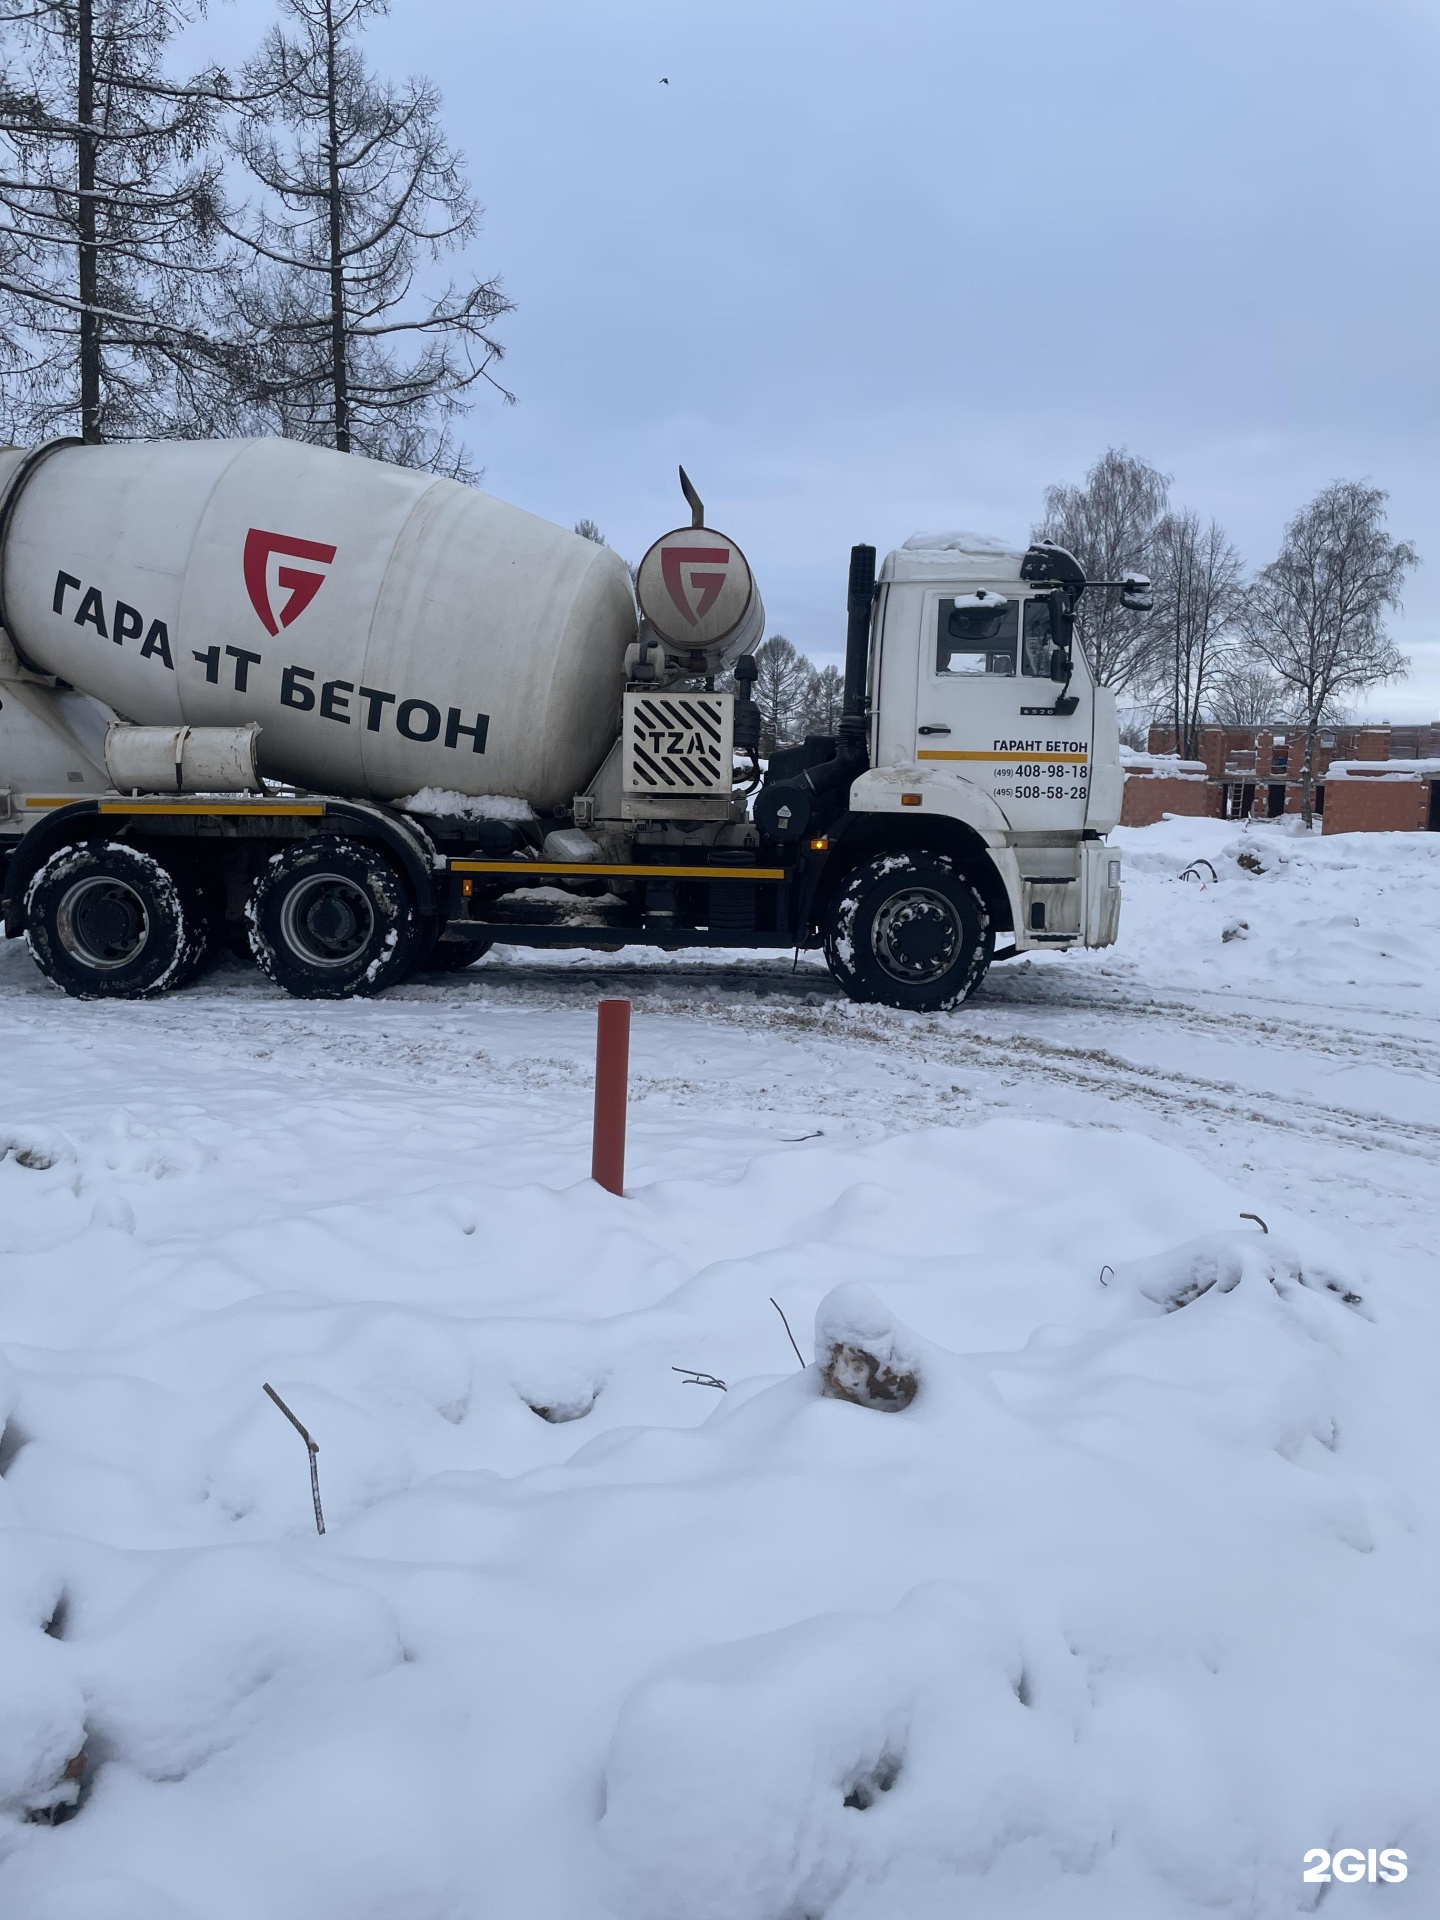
(388, 630)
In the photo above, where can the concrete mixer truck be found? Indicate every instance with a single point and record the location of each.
(361, 721)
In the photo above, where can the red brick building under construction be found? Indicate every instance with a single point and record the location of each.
(1371, 778)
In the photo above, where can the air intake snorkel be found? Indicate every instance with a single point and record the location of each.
(854, 726)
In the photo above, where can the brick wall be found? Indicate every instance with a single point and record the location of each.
(1276, 752)
(1247, 766)
(1149, 797)
(1384, 804)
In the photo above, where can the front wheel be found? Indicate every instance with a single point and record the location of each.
(909, 930)
(105, 920)
(329, 918)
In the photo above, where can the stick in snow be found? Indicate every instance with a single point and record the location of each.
(1258, 1221)
(695, 1378)
(781, 1311)
(311, 1447)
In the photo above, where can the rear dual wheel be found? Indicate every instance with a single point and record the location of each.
(106, 920)
(327, 918)
(330, 917)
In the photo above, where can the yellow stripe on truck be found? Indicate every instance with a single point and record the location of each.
(310, 809)
(950, 753)
(580, 868)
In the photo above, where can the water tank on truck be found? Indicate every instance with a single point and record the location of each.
(388, 630)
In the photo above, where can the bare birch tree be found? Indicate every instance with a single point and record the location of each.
(360, 193)
(1109, 524)
(109, 209)
(1317, 613)
(1246, 692)
(1197, 577)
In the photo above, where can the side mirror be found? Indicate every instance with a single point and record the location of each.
(1059, 665)
(1135, 594)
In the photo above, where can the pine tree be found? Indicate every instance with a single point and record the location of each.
(360, 192)
(783, 672)
(110, 196)
(822, 699)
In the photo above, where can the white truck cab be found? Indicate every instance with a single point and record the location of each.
(992, 756)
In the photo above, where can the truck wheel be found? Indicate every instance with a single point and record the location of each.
(909, 930)
(105, 920)
(330, 918)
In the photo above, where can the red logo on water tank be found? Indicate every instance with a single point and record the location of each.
(706, 585)
(300, 584)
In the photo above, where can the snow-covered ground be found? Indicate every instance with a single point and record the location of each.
(1135, 1603)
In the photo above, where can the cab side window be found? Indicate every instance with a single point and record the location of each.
(1036, 639)
(977, 638)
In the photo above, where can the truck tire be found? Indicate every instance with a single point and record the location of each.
(908, 930)
(330, 918)
(105, 920)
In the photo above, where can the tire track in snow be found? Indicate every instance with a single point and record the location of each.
(816, 1009)
(671, 983)
(804, 1006)
(1393, 1051)
(1105, 1073)
(1360, 1044)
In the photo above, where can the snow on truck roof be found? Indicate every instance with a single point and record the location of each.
(960, 542)
(958, 555)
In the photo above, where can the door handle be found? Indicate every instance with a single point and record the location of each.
(934, 729)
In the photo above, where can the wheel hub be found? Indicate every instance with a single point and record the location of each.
(328, 920)
(102, 923)
(918, 935)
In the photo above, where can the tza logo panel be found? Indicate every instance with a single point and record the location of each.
(300, 584)
(677, 743)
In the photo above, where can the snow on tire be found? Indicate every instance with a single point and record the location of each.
(106, 920)
(330, 917)
(909, 930)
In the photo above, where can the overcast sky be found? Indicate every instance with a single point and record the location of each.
(871, 269)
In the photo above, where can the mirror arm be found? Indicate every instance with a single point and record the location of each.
(1135, 592)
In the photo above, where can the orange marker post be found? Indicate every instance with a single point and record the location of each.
(612, 1069)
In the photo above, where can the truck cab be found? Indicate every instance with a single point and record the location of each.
(991, 775)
